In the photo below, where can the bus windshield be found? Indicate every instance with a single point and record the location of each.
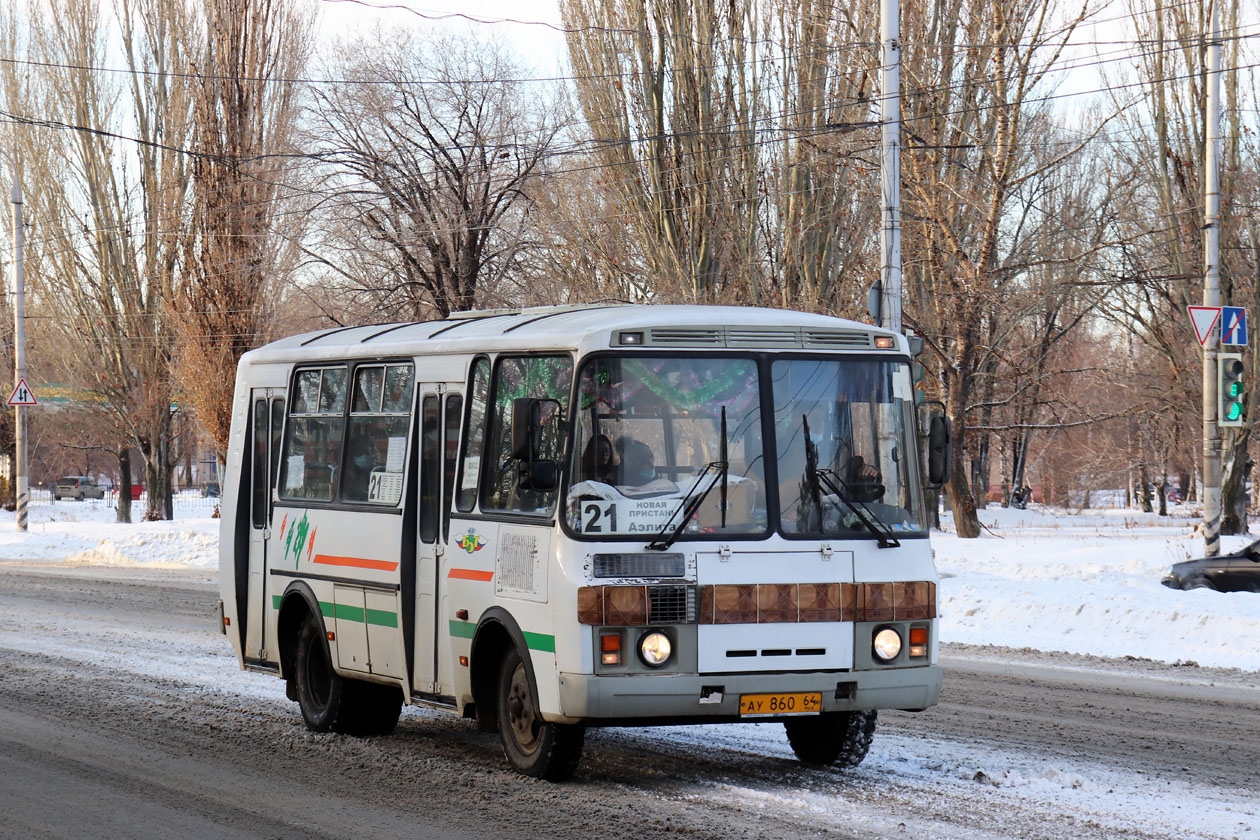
(844, 447)
(649, 439)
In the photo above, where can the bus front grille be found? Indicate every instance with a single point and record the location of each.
(672, 605)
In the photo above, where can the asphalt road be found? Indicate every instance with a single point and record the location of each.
(122, 714)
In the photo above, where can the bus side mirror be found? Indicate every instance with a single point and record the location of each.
(531, 419)
(938, 451)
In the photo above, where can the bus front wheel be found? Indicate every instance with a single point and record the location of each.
(839, 738)
(533, 747)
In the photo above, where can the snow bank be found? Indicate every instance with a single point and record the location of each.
(1089, 583)
(85, 534)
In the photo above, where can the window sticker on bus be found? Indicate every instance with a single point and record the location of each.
(294, 471)
(901, 383)
(598, 518)
(385, 487)
(394, 457)
(472, 465)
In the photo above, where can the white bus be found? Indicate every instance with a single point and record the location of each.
(553, 518)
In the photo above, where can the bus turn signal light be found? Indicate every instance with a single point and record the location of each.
(610, 649)
(918, 642)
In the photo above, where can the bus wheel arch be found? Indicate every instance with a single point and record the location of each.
(297, 602)
(497, 633)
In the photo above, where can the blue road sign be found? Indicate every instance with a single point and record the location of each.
(1234, 325)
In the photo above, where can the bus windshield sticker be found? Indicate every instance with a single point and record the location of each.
(901, 387)
(598, 517)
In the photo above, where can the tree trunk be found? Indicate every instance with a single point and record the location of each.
(1234, 487)
(1145, 490)
(124, 483)
(961, 502)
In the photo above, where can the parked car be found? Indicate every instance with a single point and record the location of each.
(1237, 572)
(77, 487)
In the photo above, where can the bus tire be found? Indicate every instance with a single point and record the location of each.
(320, 691)
(533, 747)
(834, 738)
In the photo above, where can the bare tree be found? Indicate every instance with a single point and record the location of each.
(670, 92)
(106, 182)
(431, 151)
(972, 72)
(244, 117)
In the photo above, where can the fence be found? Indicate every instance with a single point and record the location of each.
(191, 501)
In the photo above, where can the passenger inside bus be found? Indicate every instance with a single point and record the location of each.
(597, 461)
(638, 464)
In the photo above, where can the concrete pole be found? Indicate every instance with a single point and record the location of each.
(1212, 293)
(19, 355)
(890, 163)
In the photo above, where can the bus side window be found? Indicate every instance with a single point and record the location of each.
(430, 464)
(312, 437)
(474, 436)
(454, 410)
(377, 443)
(543, 377)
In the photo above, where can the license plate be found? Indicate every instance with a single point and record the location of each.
(789, 703)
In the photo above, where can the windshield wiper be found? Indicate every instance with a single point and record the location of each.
(691, 503)
(816, 475)
(878, 528)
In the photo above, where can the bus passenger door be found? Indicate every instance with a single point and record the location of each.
(440, 412)
(266, 419)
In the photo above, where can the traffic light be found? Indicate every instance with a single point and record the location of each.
(1232, 406)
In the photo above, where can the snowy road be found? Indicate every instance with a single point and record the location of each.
(122, 713)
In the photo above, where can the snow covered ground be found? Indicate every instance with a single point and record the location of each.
(1048, 580)
(1088, 583)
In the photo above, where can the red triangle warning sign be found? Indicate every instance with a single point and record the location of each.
(1203, 319)
(22, 395)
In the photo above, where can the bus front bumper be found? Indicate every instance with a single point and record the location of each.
(661, 698)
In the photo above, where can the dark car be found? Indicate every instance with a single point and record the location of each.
(1237, 572)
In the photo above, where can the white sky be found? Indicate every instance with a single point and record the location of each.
(540, 48)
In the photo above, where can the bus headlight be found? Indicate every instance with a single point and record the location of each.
(655, 648)
(887, 644)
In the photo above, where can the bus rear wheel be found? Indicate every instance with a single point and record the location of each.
(332, 703)
(533, 746)
(839, 738)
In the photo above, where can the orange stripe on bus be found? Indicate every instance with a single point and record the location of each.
(470, 574)
(356, 562)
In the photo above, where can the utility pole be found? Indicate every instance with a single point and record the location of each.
(1212, 292)
(22, 496)
(890, 163)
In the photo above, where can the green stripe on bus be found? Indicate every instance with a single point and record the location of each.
(534, 641)
(540, 641)
(346, 612)
(382, 618)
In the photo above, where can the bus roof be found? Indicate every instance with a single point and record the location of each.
(584, 327)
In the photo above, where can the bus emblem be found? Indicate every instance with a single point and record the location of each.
(471, 542)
